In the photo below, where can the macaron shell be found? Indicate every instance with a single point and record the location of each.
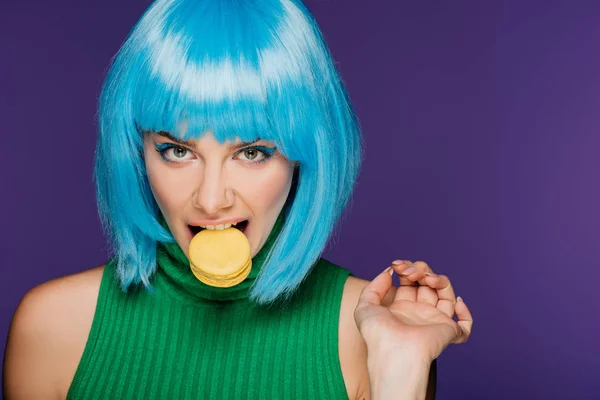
(227, 282)
(200, 271)
(220, 253)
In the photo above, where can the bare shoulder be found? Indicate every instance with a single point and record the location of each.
(48, 334)
(352, 347)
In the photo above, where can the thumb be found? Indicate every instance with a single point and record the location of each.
(465, 321)
(374, 292)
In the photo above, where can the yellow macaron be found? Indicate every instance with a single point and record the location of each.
(220, 258)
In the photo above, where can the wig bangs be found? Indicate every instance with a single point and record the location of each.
(241, 70)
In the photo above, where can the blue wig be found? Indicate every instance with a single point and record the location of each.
(241, 69)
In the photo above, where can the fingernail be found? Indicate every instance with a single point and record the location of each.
(458, 298)
(397, 262)
(391, 271)
(409, 270)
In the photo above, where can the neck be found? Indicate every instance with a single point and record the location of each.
(174, 270)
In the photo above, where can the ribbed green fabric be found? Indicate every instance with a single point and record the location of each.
(192, 341)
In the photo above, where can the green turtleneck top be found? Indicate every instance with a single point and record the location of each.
(189, 340)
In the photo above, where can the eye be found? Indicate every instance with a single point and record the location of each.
(177, 154)
(252, 154)
(257, 154)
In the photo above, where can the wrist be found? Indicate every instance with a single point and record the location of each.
(398, 375)
(396, 356)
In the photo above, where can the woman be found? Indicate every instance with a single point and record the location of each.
(216, 113)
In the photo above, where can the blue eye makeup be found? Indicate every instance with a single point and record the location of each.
(163, 148)
(266, 151)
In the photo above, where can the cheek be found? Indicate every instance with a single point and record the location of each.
(168, 186)
(270, 188)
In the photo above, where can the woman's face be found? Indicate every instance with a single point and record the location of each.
(200, 183)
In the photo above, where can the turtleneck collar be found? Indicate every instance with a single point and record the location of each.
(174, 274)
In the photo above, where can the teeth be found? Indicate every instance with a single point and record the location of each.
(219, 227)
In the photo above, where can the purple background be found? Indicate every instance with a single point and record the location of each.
(480, 121)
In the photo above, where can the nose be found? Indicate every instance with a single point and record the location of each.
(212, 194)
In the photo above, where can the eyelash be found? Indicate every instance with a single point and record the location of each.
(266, 151)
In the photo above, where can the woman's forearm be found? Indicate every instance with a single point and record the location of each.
(398, 377)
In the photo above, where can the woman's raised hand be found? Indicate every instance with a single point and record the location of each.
(419, 321)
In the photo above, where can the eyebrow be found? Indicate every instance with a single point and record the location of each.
(230, 146)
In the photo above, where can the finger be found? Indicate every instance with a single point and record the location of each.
(408, 293)
(411, 273)
(426, 269)
(442, 284)
(445, 293)
(405, 269)
(465, 321)
(423, 266)
(407, 290)
(375, 291)
(400, 267)
(416, 277)
(427, 295)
